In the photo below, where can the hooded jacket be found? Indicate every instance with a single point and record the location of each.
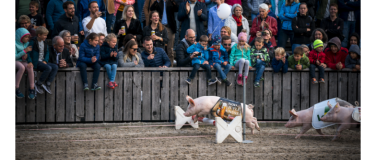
(237, 54)
(87, 51)
(300, 24)
(198, 48)
(53, 12)
(287, 13)
(217, 57)
(20, 46)
(183, 58)
(33, 55)
(66, 23)
(106, 55)
(331, 59)
(256, 26)
(349, 62)
(304, 61)
(183, 17)
(314, 55)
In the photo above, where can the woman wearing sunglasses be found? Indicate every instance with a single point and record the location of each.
(129, 57)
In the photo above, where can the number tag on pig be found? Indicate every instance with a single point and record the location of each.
(356, 114)
(319, 110)
(226, 109)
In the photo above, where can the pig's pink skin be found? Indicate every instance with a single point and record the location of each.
(304, 119)
(204, 104)
(343, 116)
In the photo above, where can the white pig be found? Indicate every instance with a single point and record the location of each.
(201, 106)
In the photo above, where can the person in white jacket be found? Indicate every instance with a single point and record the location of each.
(237, 13)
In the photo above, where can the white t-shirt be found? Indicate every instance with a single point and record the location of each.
(192, 21)
(99, 26)
(41, 51)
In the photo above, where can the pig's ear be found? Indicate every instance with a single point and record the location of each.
(337, 108)
(190, 100)
(293, 113)
(250, 106)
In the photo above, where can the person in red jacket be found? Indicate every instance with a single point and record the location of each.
(317, 59)
(335, 54)
(262, 22)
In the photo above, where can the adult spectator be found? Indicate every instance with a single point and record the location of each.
(67, 21)
(350, 13)
(94, 23)
(276, 8)
(333, 26)
(131, 24)
(322, 10)
(73, 51)
(311, 7)
(270, 13)
(192, 15)
(130, 57)
(183, 58)
(302, 25)
(226, 31)
(83, 11)
(101, 39)
(58, 54)
(226, 43)
(166, 10)
(354, 39)
(214, 22)
(335, 55)
(154, 56)
(159, 35)
(263, 22)
(22, 7)
(24, 22)
(119, 7)
(253, 5)
(237, 22)
(288, 12)
(320, 34)
(54, 11)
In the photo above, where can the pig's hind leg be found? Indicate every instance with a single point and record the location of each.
(319, 131)
(251, 125)
(254, 121)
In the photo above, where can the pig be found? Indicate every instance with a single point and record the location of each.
(302, 118)
(201, 106)
(341, 115)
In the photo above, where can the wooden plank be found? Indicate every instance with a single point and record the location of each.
(183, 92)
(146, 96)
(239, 92)
(313, 92)
(80, 100)
(277, 95)
(304, 97)
(268, 95)
(165, 96)
(333, 84)
(118, 103)
(41, 104)
(221, 89)
(30, 104)
(156, 96)
(128, 96)
(108, 100)
(174, 99)
(99, 105)
(69, 97)
(89, 98)
(202, 84)
(259, 103)
(212, 89)
(295, 90)
(343, 85)
(359, 88)
(192, 88)
(50, 106)
(136, 96)
(230, 93)
(286, 95)
(324, 89)
(20, 102)
(352, 87)
(249, 89)
(60, 96)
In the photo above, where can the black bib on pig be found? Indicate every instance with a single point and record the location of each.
(226, 109)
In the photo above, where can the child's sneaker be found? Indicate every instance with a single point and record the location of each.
(239, 80)
(115, 84)
(314, 81)
(212, 81)
(95, 87)
(219, 81)
(322, 80)
(47, 88)
(261, 79)
(188, 80)
(31, 93)
(110, 85)
(19, 93)
(86, 87)
(228, 83)
(257, 84)
(38, 88)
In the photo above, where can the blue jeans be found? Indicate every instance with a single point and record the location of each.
(109, 21)
(348, 28)
(177, 35)
(312, 69)
(223, 73)
(111, 71)
(96, 67)
(296, 45)
(49, 72)
(260, 67)
(283, 36)
(197, 66)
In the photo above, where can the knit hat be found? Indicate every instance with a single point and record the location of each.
(317, 43)
(242, 36)
(217, 40)
(336, 41)
(355, 48)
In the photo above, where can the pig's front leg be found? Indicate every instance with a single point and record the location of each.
(339, 130)
(303, 130)
(255, 122)
(251, 125)
(319, 131)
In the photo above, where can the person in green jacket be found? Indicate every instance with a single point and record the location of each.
(259, 59)
(298, 60)
(240, 58)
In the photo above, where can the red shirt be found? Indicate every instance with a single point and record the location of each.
(332, 59)
(313, 56)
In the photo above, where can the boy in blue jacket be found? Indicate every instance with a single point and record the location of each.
(218, 57)
(280, 61)
(200, 60)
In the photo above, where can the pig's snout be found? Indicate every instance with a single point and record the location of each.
(287, 125)
(186, 114)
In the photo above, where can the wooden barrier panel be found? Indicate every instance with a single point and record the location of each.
(147, 95)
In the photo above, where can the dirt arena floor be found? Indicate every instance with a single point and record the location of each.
(164, 142)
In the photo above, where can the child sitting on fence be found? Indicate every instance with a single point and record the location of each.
(353, 59)
(317, 59)
(306, 49)
(218, 58)
(22, 42)
(89, 55)
(239, 58)
(259, 59)
(109, 58)
(298, 60)
(280, 61)
(200, 60)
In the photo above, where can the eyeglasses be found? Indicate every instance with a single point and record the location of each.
(135, 49)
(224, 44)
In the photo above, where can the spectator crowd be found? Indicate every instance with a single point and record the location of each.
(183, 33)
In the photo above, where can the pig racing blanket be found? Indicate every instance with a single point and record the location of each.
(356, 114)
(226, 109)
(319, 110)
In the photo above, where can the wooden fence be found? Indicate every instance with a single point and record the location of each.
(144, 95)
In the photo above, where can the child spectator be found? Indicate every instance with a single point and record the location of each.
(22, 42)
(89, 54)
(317, 59)
(35, 18)
(298, 60)
(259, 59)
(353, 59)
(280, 61)
(130, 57)
(109, 58)
(218, 57)
(39, 56)
(335, 54)
(266, 35)
(200, 50)
(239, 58)
(306, 49)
